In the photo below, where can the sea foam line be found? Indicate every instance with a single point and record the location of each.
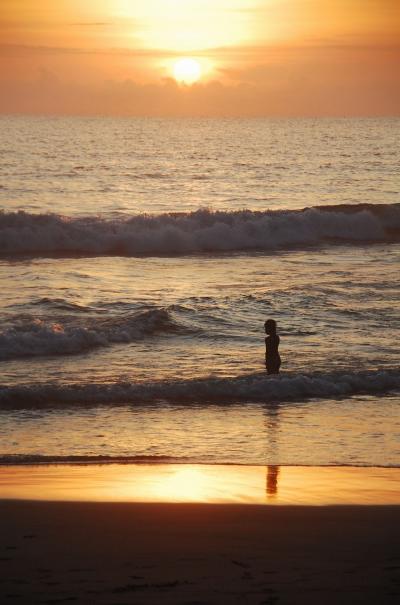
(145, 459)
(248, 388)
(197, 232)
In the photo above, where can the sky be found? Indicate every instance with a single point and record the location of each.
(255, 57)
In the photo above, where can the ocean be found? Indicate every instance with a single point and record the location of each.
(139, 259)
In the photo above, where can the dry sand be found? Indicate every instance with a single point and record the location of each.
(117, 553)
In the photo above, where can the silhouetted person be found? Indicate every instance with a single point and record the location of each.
(272, 358)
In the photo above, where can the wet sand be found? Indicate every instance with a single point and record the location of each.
(202, 483)
(119, 553)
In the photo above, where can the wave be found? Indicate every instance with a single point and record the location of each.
(33, 337)
(22, 459)
(50, 459)
(60, 304)
(22, 233)
(248, 388)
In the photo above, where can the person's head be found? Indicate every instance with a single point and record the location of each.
(270, 326)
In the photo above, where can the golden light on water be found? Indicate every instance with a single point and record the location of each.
(187, 70)
(202, 483)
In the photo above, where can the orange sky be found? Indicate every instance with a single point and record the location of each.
(258, 57)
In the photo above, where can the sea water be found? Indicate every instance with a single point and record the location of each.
(139, 261)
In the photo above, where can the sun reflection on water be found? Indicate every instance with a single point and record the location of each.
(202, 484)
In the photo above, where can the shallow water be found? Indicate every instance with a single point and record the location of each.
(120, 336)
(74, 166)
(362, 430)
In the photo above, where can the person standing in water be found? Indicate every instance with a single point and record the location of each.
(272, 357)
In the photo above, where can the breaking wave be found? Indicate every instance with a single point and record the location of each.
(22, 459)
(248, 388)
(22, 233)
(86, 460)
(33, 337)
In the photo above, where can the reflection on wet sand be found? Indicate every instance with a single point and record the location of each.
(272, 481)
(202, 483)
(272, 429)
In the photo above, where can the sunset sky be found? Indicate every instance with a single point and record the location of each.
(250, 57)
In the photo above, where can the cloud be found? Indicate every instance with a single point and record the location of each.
(91, 23)
(29, 50)
(330, 75)
(268, 91)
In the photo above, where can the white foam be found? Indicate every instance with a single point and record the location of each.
(254, 387)
(36, 337)
(195, 232)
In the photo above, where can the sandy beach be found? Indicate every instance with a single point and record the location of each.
(118, 553)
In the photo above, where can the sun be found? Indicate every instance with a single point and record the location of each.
(187, 71)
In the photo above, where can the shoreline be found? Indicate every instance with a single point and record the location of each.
(148, 461)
